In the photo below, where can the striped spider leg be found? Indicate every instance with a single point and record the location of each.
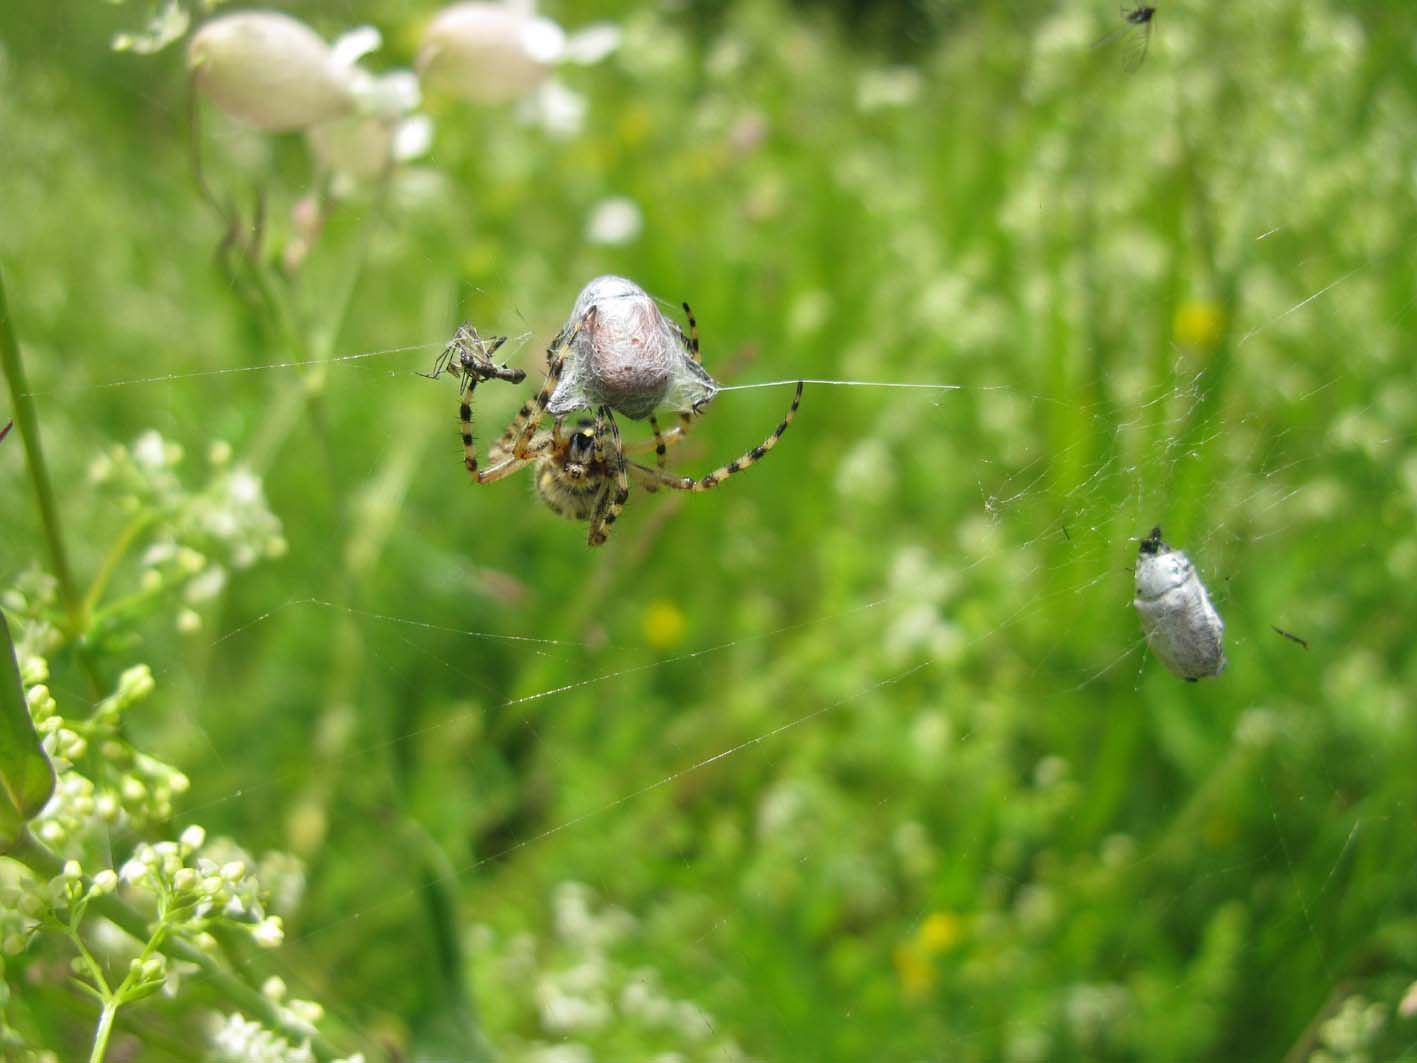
(519, 445)
(651, 478)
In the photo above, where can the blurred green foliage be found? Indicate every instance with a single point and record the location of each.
(859, 757)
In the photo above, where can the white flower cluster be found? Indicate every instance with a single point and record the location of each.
(1349, 1035)
(195, 890)
(584, 1000)
(236, 1039)
(29, 904)
(31, 600)
(227, 522)
(130, 787)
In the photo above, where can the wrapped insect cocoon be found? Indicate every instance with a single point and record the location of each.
(1180, 623)
(628, 356)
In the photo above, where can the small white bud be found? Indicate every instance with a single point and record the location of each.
(184, 878)
(135, 683)
(309, 1012)
(192, 838)
(273, 989)
(270, 71)
(269, 932)
(488, 53)
(106, 881)
(233, 871)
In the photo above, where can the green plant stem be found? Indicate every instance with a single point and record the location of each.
(115, 554)
(42, 862)
(34, 459)
(102, 1032)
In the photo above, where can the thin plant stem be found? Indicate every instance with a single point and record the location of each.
(76, 619)
(103, 1031)
(115, 554)
(34, 460)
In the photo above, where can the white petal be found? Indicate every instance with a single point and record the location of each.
(594, 43)
(413, 137)
(353, 46)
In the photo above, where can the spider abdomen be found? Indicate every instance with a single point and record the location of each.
(628, 356)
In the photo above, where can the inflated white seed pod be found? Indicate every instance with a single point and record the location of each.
(627, 356)
(1180, 624)
(270, 71)
(488, 53)
(363, 146)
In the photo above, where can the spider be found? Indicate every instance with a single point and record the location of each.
(618, 353)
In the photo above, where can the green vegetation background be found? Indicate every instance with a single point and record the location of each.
(964, 816)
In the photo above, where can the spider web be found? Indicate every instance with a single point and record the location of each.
(1035, 547)
(935, 637)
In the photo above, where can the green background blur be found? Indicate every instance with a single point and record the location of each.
(878, 768)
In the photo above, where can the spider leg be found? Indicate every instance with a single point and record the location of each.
(504, 464)
(518, 435)
(465, 416)
(608, 506)
(668, 438)
(644, 473)
(693, 333)
(659, 445)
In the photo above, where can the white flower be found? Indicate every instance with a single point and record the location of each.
(614, 221)
(149, 451)
(487, 52)
(894, 87)
(269, 932)
(557, 109)
(165, 26)
(272, 71)
(593, 43)
(364, 147)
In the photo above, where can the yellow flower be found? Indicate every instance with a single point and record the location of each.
(1198, 323)
(916, 973)
(939, 932)
(664, 625)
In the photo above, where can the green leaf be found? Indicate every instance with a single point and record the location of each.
(25, 772)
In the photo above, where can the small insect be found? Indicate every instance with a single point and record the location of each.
(617, 353)
(1135, 32)
(471, 355)
(1291, 636)
(1180, 624)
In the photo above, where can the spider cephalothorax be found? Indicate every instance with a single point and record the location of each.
(617, 353)
(571, 475)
